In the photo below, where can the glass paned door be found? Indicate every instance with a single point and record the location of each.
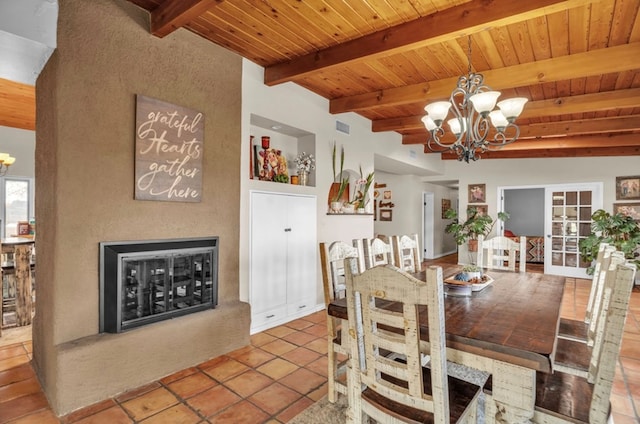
(568, 210)
(16, 204)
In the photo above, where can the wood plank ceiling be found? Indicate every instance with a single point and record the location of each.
(577, 61)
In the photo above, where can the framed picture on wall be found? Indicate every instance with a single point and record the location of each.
(446, 205)
(628, 188)
(477, 193)
(628, 209)
(386, 214)
(482, 209)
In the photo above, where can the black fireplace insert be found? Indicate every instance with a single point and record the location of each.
(148, 281)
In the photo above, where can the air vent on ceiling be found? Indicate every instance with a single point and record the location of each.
(342, 127)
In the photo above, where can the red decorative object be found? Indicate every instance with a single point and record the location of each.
(265, 142)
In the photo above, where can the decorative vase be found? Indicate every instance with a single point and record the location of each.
(303, 178)
(336, 207)
(473, 245)
(294, 179)
(333, 192)
(360, 210)
(348, 208)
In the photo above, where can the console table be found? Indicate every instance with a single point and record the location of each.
(17, 280)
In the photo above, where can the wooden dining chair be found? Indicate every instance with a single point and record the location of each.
(374, 251)
(500, 252)
(578, 330)
(332, 258)
(397, 388)
(575, 356)
(567, 398)
(406, 252)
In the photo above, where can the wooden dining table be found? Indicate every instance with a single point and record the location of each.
(507, 329)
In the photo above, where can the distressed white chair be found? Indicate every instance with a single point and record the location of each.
(575, 356)
(397, 388)
(500, 252)
(566, 398)
(406, 252)
(578, 330)
(332, 258)
(375, 252)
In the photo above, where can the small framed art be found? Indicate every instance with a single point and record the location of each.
(628, 209)
(477, 193)
(628, 188)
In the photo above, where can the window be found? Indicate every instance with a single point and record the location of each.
(18, 204)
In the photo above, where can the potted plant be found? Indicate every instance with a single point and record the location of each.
(338, 185)
(468, 231)
(618, 230)
(361, 191)
(336, 201)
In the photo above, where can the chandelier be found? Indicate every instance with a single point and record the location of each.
(472, 104)
(5, 162)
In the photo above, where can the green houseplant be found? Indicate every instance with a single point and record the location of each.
(618, 230)
(468, 231)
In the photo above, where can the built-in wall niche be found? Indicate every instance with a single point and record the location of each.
(285, 143)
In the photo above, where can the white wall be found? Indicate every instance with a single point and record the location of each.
(21, 144)
(503, 173)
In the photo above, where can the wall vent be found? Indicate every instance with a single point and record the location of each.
(342, 127)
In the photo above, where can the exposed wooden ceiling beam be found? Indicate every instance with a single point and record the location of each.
(572, 146)
(173, 14)
(596, 62)
(18, 102)
(454, 22)
(555, 129)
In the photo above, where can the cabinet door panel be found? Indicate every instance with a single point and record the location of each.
(302, 248)
(268, 252)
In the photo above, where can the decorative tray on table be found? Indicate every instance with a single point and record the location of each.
(458, 287)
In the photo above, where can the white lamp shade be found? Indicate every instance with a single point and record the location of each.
(3, 157)
(438, 111)
(9, 160)
(498, 120)
(456, 124)
(484, 102)
(428, 123)
(512, 108)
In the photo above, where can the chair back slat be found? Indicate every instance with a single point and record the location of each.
(376, 252)
(595, 279)
(399, 380)
(610, 259)
(332, 258)
(406, 252)
(500, 253)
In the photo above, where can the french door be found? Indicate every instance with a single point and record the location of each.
(568, 210)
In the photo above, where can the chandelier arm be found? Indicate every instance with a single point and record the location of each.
(501, 139)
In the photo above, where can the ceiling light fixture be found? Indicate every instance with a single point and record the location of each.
(473, 105)
(5, 162)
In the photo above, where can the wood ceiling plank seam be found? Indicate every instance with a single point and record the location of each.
(624, 17)
(502, 41)
(434, 66)
(386, 12)
(540, 39)
(457, 51)
(451, 64)
(401, 68)
(559, 33)
(254, 32)
(488, 49)
(635, 31)
(334, 18)
(422, 67)
(229, 41)
(403, 8)
(625, 79)
(379, 69)
(368, 14)
(460, 20)
(579, 29)
(600, 26)
(347, 11)
(521, 39)
(609, 60)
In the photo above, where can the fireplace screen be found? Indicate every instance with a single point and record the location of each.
(144, 282)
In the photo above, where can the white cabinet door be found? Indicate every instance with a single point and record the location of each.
(302, 254)
(268, 262)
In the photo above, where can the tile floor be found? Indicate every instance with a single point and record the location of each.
(281, 373)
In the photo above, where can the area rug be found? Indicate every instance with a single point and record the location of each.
(324, 412)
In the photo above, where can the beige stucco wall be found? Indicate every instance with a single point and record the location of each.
(85, 194)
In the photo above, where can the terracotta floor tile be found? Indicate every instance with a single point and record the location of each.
(179, 375)
(248, 383)
(150, 403)
(318, 393)
(254, 357)
(113, 415)
(299, 324)
(241, 412)
(277, 368)
(319, 366)
(294, 409)
(303, 381)
(20, 388)
(319, 345)
(301, 356)
(15, 361)
(300, 338)
(274, 398)
(89, 410)
(224, 370)
(12, 351)
(213, 401)
(131, 394)
(19, 373)
(192, 385)
(623, 419)
(622, 405)
(278, 347)
(179, 414)
(317, 317)
(280, 331)
(318, 330)
(260, 339)
(45, 416)
(22, 406)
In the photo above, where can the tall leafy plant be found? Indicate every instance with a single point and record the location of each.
(337, 177)
(618, 230)
(476, 224)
